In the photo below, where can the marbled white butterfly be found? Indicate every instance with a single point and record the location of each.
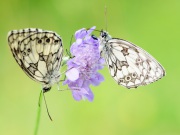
(129, 65)
(39, 53)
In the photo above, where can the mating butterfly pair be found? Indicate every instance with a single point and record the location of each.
(39, 53)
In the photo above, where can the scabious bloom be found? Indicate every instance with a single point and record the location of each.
(83, 67)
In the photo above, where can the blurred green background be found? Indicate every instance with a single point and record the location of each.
(149, 110)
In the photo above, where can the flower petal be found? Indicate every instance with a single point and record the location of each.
(90, 95)
(97, 79)
(78, 93)
(78, 41)
(77, 96)
(101, 63)
(80, 33)
(72, 74)
(91, 30)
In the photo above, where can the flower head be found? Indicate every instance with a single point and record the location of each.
(83, 67)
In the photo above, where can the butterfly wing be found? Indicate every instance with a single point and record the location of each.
(38, 53)
(130, 65)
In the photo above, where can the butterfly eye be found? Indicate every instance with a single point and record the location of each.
(104, 34)
(46, 89)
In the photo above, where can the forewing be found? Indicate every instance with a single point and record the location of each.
(37, 52)
(130, 65)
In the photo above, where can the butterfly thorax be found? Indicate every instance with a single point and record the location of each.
(51, 79)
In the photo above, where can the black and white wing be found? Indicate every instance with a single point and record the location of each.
(38, 53)
(130, 65)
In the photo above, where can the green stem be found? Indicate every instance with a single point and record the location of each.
(38, 114)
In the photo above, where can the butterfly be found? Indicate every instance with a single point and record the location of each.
(39, 54)
(129, 65)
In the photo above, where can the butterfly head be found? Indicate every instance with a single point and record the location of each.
(104, 36)
(46, 89)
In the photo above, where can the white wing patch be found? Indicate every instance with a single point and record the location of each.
(130, 65)
(38, 53)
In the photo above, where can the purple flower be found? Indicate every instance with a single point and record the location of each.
(83, 67)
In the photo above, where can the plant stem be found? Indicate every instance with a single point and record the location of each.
(38, 114)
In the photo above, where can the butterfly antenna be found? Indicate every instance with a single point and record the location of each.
(46, 106)
(105, 17)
